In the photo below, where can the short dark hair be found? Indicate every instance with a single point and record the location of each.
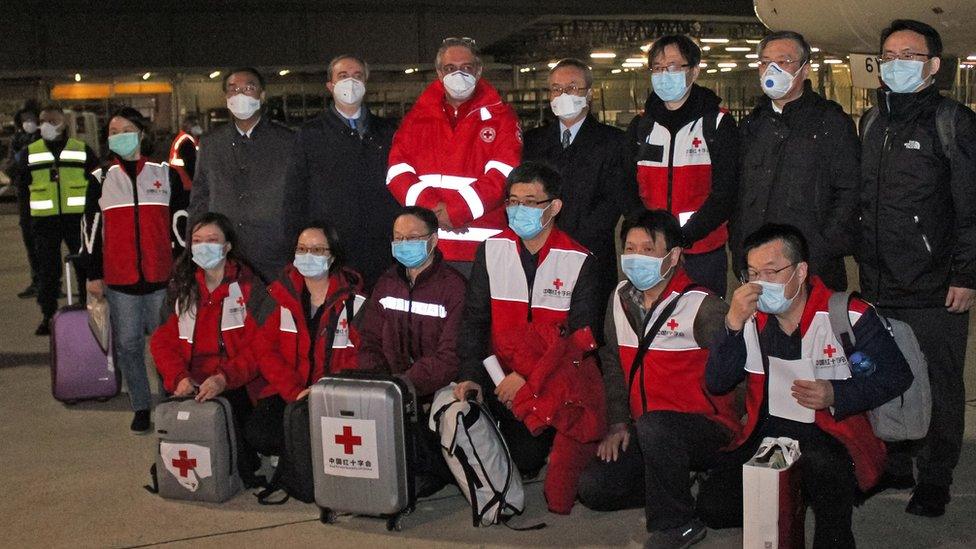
(688, 48)
(428, 217)
(139, 121)
(576, 64)
(453, 41)
(794, 243)
(654, 222)
(250, 70)
(331, 237)
(536, 172)
(933, 40)
(51, 107)
(805, 50)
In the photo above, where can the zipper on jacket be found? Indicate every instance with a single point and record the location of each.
(135, 206)
(670, 170)
(410, 323)
(925, 239)
(885, 147)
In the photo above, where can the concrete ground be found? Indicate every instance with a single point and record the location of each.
(72, 476)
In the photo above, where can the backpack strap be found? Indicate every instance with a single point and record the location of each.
(945, 125)
(710, 122)
(867, 120)
(840, 321)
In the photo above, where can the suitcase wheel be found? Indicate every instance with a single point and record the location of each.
(394, 523)
(327, 516)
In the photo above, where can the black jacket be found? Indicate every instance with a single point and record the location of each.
(337, 177)
(918, 222)
(595, 190)
(801, 167)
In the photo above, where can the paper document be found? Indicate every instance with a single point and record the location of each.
(782, 374)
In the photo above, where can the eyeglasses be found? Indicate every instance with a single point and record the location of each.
(752, 275)
(530, 203)
(670, 67)
(245, 89)
(314, 250)
(469, 68)
(571, 89)
(410, 238)
(904, 56)
(780, 62)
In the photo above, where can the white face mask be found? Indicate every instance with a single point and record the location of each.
(567, 106)
(776, 82)
(243, 106)
(29, 126)
(50, 132)
(349, 91)
(460, 85)
(196, 130)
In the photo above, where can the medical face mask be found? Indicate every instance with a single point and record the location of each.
(50, 132)
(243, 106)
(124, 144)
(773, 298)
(207, 255)
(776, 81)
(643, 271)
(526, 221)
(903, 75)
(311, 265)
(567, 106)
(460, 85)
(29, 126)
(669, 86)
(411, 253)
(349, 91)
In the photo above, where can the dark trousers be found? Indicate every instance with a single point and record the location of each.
(49, 233)
(247, 457)
(710, 269)
(654, 471)
(265, 430)
(27, 232)
(942, 337)
(529, 452)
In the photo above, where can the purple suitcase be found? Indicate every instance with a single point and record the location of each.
(80, 370)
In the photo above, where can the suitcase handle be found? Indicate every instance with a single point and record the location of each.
(68, 260)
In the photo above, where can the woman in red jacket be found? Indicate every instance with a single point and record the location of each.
(306, 333)
(204, 345)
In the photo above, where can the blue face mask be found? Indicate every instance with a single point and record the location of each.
(773, 298)
(643, 271)
(124, 144)
(411, 253)
(311, 265)
(526, 221)
(902, 75)
(207, 255)
(669, 86)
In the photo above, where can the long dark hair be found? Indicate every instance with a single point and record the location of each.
(183, 287)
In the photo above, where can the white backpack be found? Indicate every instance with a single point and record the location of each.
(478, 457)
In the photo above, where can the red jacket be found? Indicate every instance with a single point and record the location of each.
(189, 345)
(463, 166)
(281, 349)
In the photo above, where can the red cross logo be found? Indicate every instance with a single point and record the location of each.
(829, 351)
(347, 440)
(558, 283)
(157, 184)
(343, 324)
(488, 134)
(240, 301)
(672, 324)
(696, 142)
(184, 464)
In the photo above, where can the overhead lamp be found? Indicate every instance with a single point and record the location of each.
(727, 65)
(714, 40)
(706, 48)
(832, 61)
(632, 65)
(711, 71)
(752, 56)
(283, 72)
(411, 70)
(702, 65)
(77, 77)
(815, 66)
(753, 65)
(646, 47)
(753, 41)
(737, 48)
(726, 69)
(641, 60)
(552, 64)
(971, 58)
(603, 55)
(615, 71)
(214, 74)
(525, 69)
(147, 76)
(815, 50)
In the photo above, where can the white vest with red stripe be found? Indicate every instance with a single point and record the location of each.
(819, 344)
(232, 316)
(690, 166)
(341, 340)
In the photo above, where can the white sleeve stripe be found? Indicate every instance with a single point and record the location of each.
(399, 169)
(505, 169)
(414, 192)
(474, 202)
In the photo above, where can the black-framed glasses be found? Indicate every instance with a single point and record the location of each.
(904, 56)
(571, 89)
(752, 275)
(410, 238)
(314, 250)
(530, 203)
(670, 67)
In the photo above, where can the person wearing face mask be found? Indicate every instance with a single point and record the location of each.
(410, 327)
(241, 172)
(183, 149)
(129, 238)
(453, 152)
(589, 156)
(338, 170)
(917, 251)
(663, 425)
(779, 340)
(800, 162)
(683, 155)
(204, 348)
(25, 133)
(55, 173)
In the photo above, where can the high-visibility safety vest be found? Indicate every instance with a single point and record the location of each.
(58, 185)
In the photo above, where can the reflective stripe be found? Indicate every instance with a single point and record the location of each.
(398, 169)
(474, 202)
(76, 201)
(485, 114)
(505, 169)
(471, 234)
(683, 217)
(37, 158)
(73, 155)
(418, 307)
(287, 323)
(41, 204)
(177, 162)
(437, 181)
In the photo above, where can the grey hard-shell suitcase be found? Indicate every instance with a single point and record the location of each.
(197, 454)
(362, 428)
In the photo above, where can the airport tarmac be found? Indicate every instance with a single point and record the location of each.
(72, 476)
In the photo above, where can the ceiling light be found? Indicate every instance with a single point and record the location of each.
(77, 77)
(738, 48)
(214, 74)
(706, 48)
(603, 55)
(715, 40)
(146, 76)
(632, 65)
(710, 71)
(411, 70)
(283, 72)
(752, 56)
(971, 58)
(815, 66)
(727, 65)
(753, 41)
(641, 60)
(646, 47)
(525, 69)
(552, 64)
(753, 65)
(815, 50)
(726, 69)
(615, 71)
(832, 61)
(702, 65)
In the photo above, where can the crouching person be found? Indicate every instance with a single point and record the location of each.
(203, 347)
(663, 424)
(778, 322)
(410, 327)
(530, 287)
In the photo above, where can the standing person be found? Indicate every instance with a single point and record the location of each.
(183, 149)
(128, 247)
(241, 169)
(338, 170)
(55, 173)
(453, 152)
(25, 133)
(800, 162)
(917, 254)
(590, 157)
(684, 148)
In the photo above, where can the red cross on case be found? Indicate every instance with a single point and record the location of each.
(184, 464)
(240, 301)
(696, 142)
(672, 324)
(829, 350)
(157, 184)
(343, 324)
(347, 440)
(558, 283)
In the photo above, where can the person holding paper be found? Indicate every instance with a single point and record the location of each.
(778, 328)
(658, 328)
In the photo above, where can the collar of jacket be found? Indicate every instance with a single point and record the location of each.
(233, 271)
(332, 118)
(431, 101)
(629, 295)
(699, 101)
(140, 162)
(904, 106)
(808, 97)
(425, 274)
(293, 282)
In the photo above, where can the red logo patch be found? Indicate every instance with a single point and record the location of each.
(672, 324)
(829, 350)
(185, 464)
(696, 142)
(487, 134)
(558, 283)
(347, 440)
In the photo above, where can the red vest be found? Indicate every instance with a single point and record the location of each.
(682, 179)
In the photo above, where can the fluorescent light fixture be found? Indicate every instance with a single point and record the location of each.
(738, 48)
(552, 64)
(283, 72)
(971, 58)
(411, 70)
(714, 40)
(603, 55)
(815, 50)
(77, 77)
(706, 48)
(711, 71)
(702, 65)
(752, 56)
(832, 61)
(525, 69)
(615, 71)
(753, 41)
(214, 74)
(641, 60)
(727, 65)
(646, 47)
(147, 76)
(632, 65)
(753, 65)
(726, 69)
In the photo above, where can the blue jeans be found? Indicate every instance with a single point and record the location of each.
(133, 318)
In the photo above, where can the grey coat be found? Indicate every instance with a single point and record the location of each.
(244, 179)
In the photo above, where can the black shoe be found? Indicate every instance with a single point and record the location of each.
(892, 481)
(29, 292)
(140, 421)
(677, 538)
(928, 500)
(44, 328)
(428, 485)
